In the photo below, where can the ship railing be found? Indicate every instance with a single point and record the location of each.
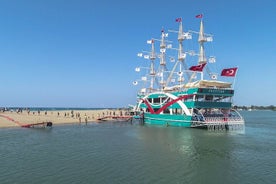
(229, 123)
(233, 121)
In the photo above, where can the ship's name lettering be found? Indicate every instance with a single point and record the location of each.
(216, 91)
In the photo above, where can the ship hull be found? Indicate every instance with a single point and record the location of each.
(167, 120)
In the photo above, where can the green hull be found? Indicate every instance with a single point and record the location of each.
(167, 120)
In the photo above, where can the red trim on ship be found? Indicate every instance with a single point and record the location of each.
(151, 110)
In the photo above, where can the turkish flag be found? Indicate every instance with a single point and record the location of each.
(178, 19)
(199, 16)
(198, 68)
(229, 72)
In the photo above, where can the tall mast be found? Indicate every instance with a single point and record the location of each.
(201, 40)
(162, 58)
(181, 54)
(152, 57)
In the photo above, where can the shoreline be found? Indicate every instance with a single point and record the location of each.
(10, 119)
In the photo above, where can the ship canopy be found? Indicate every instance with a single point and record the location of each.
(200, 84)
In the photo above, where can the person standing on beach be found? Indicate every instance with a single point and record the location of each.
(85, 118)
(79, 119)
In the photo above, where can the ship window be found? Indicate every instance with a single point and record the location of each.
(209, 97)
(163, 99)
(156, 100)
(189, 99)
(166, 111)
(199, 97)
(156, 109)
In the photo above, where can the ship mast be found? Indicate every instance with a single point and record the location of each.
(201, 41)
(162, 59)
(152, 58)
(181, 55)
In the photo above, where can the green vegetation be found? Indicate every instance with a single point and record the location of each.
(254, 107)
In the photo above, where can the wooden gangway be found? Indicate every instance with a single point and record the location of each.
(38, 125)
(118, 118)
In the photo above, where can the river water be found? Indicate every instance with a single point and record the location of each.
(121, 152)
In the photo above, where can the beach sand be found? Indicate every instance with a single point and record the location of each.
(14, 119)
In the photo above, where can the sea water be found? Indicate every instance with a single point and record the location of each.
(121, 152)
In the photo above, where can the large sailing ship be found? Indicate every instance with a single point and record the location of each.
(183, 90)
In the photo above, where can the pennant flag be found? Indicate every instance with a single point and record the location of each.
(199, 16)
(229, 72)
(198, 68)
(178, 19)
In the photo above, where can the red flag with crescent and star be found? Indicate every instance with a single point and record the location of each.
(229, 72)
(198, 68)
(178, 19)
(199, 16)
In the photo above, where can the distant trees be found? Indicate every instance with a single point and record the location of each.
(255, 107)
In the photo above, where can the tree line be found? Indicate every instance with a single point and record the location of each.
(255, 107)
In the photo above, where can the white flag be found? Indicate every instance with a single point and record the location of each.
(183, 55)
(143, 90)
(144, 78)
(212, 59)
(214, 77)
(162, 50)
(149, 41)
(159, 74)
(169, 46)
(209, 39)
(146, 56)
(172, 59)
(137, 69)
(140, 54)
(191, 53)
(180, 73)
(188, 36)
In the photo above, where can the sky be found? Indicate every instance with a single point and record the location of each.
(82, 53)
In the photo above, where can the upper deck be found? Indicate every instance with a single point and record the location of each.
(199, 96)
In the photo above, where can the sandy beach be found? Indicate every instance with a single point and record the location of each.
(17, 119)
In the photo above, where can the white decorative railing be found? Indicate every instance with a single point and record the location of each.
(220, 122)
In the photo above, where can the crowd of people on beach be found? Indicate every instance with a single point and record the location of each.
(80, 116)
